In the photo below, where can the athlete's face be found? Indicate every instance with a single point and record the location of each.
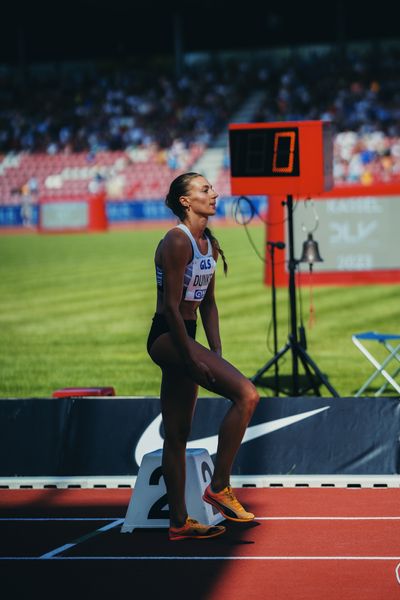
(201, 197)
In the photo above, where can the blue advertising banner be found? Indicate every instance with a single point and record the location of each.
(125, 211)
(12, 216)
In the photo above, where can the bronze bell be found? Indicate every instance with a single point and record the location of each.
(310, 252)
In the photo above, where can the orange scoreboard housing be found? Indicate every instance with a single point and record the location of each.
(290, 157)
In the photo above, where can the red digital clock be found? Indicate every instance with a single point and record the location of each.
(291, 157)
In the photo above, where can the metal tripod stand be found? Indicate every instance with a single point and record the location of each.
(298, 351)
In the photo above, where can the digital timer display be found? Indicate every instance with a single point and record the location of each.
(292, 157)
(265, 152)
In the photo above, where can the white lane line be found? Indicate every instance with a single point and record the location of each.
(112, 519)
(327, 519)
(81, 539)
(266, 558)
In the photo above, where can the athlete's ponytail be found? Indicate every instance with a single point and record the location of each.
(180, 187)
(215, 244)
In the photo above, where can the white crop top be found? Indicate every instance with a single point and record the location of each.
(198, 271)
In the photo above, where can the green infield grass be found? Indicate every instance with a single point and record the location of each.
(75, 311)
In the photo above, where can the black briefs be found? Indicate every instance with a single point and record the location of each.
(160, 325)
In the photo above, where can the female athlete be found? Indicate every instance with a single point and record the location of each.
(185, 262)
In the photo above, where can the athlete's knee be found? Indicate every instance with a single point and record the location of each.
(253, 397)
(249, 397)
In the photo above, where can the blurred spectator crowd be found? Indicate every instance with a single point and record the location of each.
(113, 108)
(359, 93)
(110, 121)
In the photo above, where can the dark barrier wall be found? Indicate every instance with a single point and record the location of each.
(108, 436)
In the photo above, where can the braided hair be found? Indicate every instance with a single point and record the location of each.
(180, 187)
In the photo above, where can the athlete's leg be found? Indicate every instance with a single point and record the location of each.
(178, 399)
(229, 383)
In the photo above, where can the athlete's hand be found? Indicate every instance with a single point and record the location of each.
(201, 373)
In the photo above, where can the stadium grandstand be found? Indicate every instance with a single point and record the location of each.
(76, 128)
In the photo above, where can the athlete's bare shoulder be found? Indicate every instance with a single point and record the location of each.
(176, 238)
(176, 233)
(177, 245)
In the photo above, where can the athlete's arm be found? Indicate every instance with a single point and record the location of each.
(209, 316)
(176, 253)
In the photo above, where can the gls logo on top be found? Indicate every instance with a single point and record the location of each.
(205, 263)
(199, 294)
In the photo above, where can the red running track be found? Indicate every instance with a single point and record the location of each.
(306, 544)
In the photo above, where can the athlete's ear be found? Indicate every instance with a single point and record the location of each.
(184, 200)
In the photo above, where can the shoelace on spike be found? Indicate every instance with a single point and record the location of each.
(233, 498)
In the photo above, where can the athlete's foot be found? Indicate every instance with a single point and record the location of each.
(192, 529)
(227, 504)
